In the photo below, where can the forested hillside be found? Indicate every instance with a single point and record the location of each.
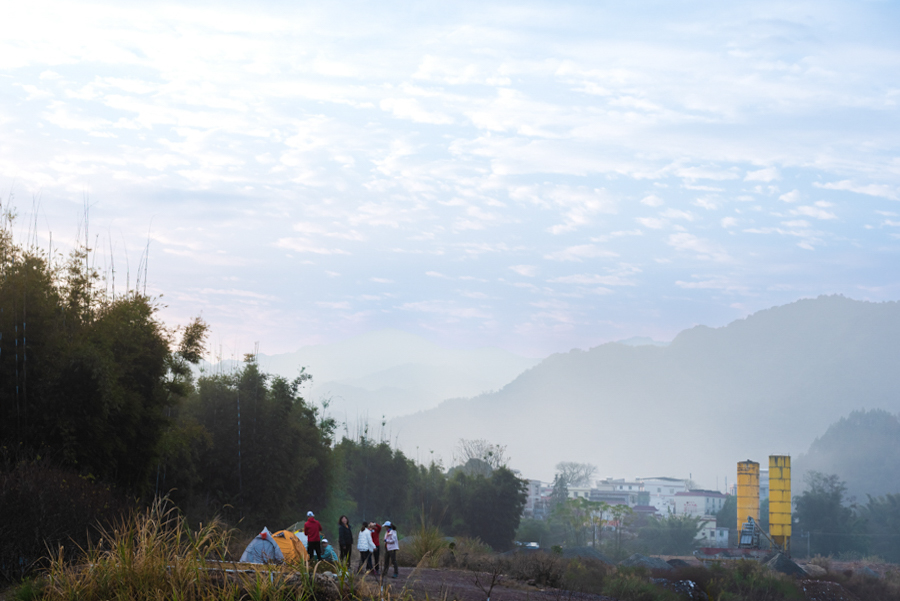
(767, 384)
(862, 449)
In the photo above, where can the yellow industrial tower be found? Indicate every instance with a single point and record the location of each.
(747, 492)
(779, 500)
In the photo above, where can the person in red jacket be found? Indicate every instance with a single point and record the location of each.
(376, 532)
(313, 531)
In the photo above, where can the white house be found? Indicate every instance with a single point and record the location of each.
(662, 492)
(579, 492)
(533, 497)
(699, 503)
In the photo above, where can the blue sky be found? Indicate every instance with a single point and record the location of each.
(536, 176)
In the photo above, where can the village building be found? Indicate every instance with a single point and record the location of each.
(699, 503)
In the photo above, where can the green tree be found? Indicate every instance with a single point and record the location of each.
(727, 517)
(621, 516)
(577, 517)
(531, 530)
(672, 535)
(833, 527)
(487, 507)
(427, 503)
(882, 517)
(269, 452)
(88, 375)
(560, 492)
(376, 479)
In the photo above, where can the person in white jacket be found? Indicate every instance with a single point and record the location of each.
(391, 546)
(365, 546)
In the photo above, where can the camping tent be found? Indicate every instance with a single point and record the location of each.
(290, 545)
(263, 549)
(297, 528)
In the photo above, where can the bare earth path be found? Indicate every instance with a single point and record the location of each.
(459, 585)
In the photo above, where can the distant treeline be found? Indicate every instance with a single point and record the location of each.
(100, 412)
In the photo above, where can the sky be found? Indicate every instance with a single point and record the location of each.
(537, 176)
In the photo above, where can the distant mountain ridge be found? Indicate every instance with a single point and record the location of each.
(862, 449)
(767, 384)
(389, 372)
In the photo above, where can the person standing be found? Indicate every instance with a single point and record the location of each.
(345, 537)
(376, 533)
(365, 546)
(391, 546)
(313, 531)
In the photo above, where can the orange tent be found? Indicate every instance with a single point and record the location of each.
(290, 546)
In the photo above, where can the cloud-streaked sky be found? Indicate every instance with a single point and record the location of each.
(537, 176)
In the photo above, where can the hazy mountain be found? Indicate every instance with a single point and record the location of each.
(767, 384)
(863, 449)
(390, 373)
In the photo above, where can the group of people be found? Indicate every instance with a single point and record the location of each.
(368, 542)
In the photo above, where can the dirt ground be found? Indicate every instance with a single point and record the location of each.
(460, 585)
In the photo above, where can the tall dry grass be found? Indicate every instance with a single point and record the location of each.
(154, 555)
(424, 547)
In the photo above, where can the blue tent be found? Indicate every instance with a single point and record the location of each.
(262, 549)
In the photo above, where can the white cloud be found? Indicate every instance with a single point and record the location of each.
(721, 283)
(703, 249)
(409, 108)
(343, 305)
(706, 203)
(303, 245)
(580, 252)
(613, 279)
(258, 142)
(769, 174)
(792, 196)
(713, 173)
(813, 211)
(528, 271)
(447, 309)
(678, 214)
(654, 223)
(881, 190)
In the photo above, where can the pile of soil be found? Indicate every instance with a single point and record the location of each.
(823, 590)
(651, 563)
(686, 589)
(586, 553)
(781, 563)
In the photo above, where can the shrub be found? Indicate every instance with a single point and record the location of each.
(544, 569)
(628, 585)
(886, 588)
(586, 575)
(424, 546)
(748, 580)
(465, 552)
(47, 507)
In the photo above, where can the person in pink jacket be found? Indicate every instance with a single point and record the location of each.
(391, 546)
